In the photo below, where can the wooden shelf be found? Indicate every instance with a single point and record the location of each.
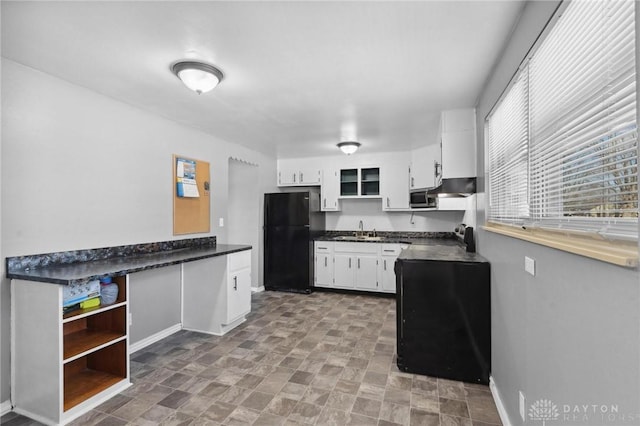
(93, 373)
(85, 384)
(85, 340)
(79, 313)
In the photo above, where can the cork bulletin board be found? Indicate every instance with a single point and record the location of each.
(191, 214)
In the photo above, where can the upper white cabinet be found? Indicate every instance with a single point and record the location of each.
(458, 140)
(360, 182)
(394, 186)
(425, 167)
(330, 190)
(298, 172)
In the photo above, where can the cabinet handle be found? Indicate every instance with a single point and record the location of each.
(349, 263)
(235, 283)
(412, 182)
(301, 177)
(279, 177)
(385, 264)
(325, 202)
(387, 201)
(358, 263)
(387, 251)
(325, 262)
(294, 178)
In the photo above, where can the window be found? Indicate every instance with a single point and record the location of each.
(562, 143)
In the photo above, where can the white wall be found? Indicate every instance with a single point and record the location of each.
(571, 334)
(80, 170)
(369, 211)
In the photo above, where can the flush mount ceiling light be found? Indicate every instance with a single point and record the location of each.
(349, 147)
(197, 76)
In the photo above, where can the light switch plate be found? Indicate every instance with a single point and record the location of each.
(530, 265)
(221, 222)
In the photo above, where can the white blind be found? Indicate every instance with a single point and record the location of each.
(582, 141)
(507, 135)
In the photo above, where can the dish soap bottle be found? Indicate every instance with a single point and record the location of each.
(108, 291)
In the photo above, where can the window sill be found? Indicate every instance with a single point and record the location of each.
(622, 253)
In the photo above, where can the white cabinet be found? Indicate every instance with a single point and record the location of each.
(298, 172)
(367, 272)
(394, 183)
(458, 139)
(363, 182)
(223, 284)
(388, 255)
(330, 190)
(343, 272)
(323, 257)
(356, 266)
(238, 286)
(66, 364)
(425, 167)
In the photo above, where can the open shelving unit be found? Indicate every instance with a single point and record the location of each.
(82, 357)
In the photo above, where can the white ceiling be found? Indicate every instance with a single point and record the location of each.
(299, 76)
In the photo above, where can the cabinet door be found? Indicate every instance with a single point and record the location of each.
(395, 186)
(343, 270)
(238, 294)
(309, 176)
(349, 179)
(387, 274)
(423, 167)
(330, 190)
(458, 154)
(287, 176)
(367, 272)
(324, 270)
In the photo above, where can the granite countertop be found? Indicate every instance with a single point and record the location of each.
(432, 246)
(78, 271)
(440, 253)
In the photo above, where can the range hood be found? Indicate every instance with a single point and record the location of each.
(455, 187)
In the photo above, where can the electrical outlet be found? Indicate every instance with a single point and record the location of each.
(221, 222)
(522, 403)
(530, 265)
(130, 319)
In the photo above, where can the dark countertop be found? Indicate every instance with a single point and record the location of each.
(433, 246)
(78, 272)
(438, 252)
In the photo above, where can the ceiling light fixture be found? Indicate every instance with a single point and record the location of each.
(197, 76)
(349, 147)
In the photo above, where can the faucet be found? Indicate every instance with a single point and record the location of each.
(361, 228)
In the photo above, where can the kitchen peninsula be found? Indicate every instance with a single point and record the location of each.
(83, 355)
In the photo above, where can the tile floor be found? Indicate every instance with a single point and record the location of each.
(324, 359)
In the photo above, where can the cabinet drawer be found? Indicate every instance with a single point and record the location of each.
(390, 249)
(239, 260)
(323, 246)
(356, 247)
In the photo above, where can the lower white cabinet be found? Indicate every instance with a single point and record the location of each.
(389, 254)
(356, 266)
(323, 257)
(66, 364)
(221, 288)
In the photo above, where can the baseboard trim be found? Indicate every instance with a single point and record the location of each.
(5, 407)
(502, 411)
(257, 289)
(135, 347)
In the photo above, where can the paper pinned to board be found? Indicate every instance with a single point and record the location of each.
(186, 178)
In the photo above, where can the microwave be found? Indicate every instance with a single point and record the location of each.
(421, 199)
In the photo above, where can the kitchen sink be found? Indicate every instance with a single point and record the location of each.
(358, 238)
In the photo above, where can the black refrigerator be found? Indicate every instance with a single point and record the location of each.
(291, 221)
(444, 319)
